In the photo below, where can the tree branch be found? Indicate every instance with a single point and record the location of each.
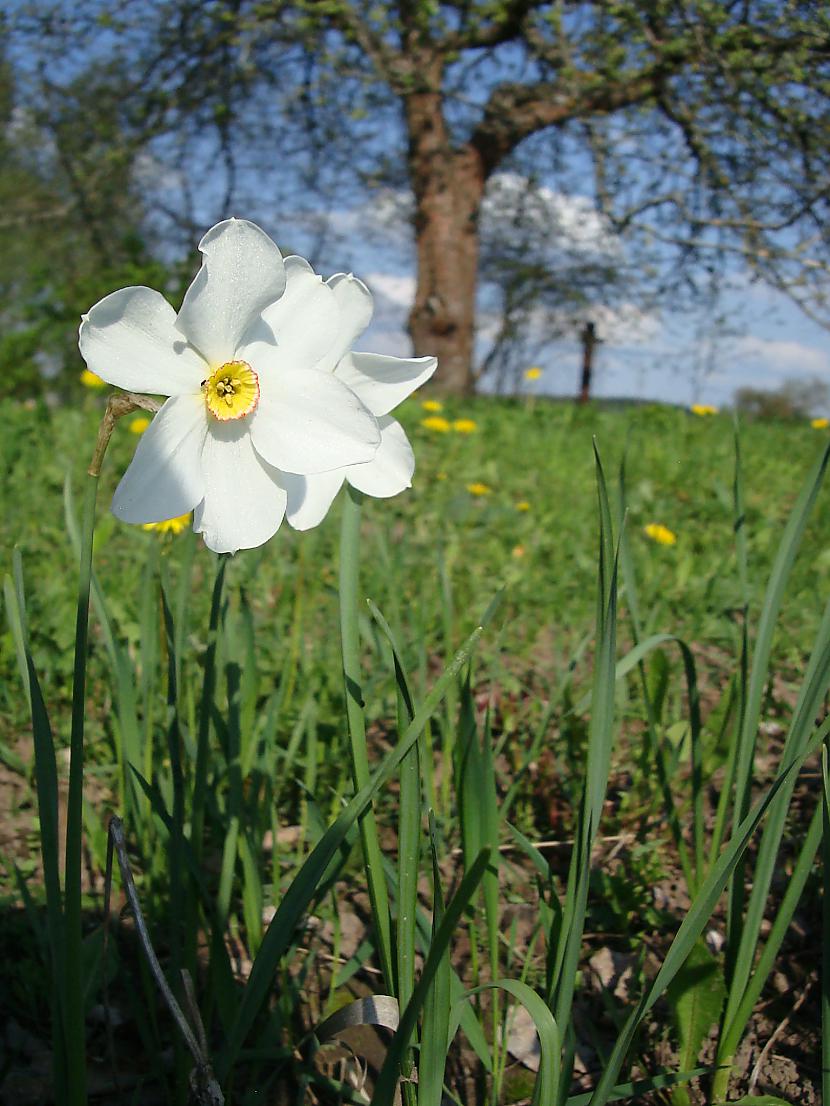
(505, 28)
(515, 111)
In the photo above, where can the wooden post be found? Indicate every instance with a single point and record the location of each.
(588, 337)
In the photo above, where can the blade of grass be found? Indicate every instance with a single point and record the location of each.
(199, 793)
(568, 940)
(550, 1045)
(46, 786)
(734, 1030)
(303, 888)
(75, 1028)
(657, 749)
(233, 810)
(409, 843)
(695, 920)
(438, 1000)
(129, 748)
(808, 705)
(784, 560)
(350, 638)
(388, 1076)
(640, 1087)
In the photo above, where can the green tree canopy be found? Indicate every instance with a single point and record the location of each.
(697, 130)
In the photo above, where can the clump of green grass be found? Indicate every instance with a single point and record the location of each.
(230, 718)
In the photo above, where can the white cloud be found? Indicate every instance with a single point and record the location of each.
(641, 354)
(396, 288)
(561, 220)
(776, 359)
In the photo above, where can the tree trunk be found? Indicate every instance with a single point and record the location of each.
(448, 185)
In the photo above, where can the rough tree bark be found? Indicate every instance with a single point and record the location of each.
(586, 61)
(448, 185)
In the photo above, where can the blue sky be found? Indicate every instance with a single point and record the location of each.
(645, 355)
(663, 356)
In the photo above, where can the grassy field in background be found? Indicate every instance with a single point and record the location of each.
(434, 557)
(504, 499)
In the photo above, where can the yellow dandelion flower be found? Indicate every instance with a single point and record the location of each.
(518, 551)
(464, 426)
(478, 488)
(139, 425)
(169, 526)
(660, 533)
(92, 380)
(437, 423)
(523, 505)
(432, 405)
(703, 409)
(533, 373)
(819, 424)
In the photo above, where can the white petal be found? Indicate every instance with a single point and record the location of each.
(242, 272)
(164, 479)
(391, 469)
(243, 505)
(383, 382)
(305, 321)
(355, 302)
(129, 339)
(309, 497)
(309, 422)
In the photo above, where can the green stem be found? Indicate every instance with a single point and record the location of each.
(350, 637)
(73, 1005)
(203, 739)
(200, 774)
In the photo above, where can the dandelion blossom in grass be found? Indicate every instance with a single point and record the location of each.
(170, 525)
(660, 534)
(479, 489)
(269, 409)
(523, 505)
(92, 380)
(437, 423)
(432, 405)
(465, 426)
(819, 424)
(517, 551)
(533, 373)
(703, 409)
(139, 425)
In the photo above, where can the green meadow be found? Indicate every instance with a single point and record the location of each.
(583, 784)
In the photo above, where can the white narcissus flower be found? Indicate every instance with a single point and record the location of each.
(267, 410)
(381, 382)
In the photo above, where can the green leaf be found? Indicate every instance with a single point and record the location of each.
(549, 1041)
(437, 1003)
(696, 996)
(761, 1100)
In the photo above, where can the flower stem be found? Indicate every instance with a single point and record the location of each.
(203, 741)
(350, 637)
(73, 982)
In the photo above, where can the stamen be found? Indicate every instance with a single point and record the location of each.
(237, 385)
